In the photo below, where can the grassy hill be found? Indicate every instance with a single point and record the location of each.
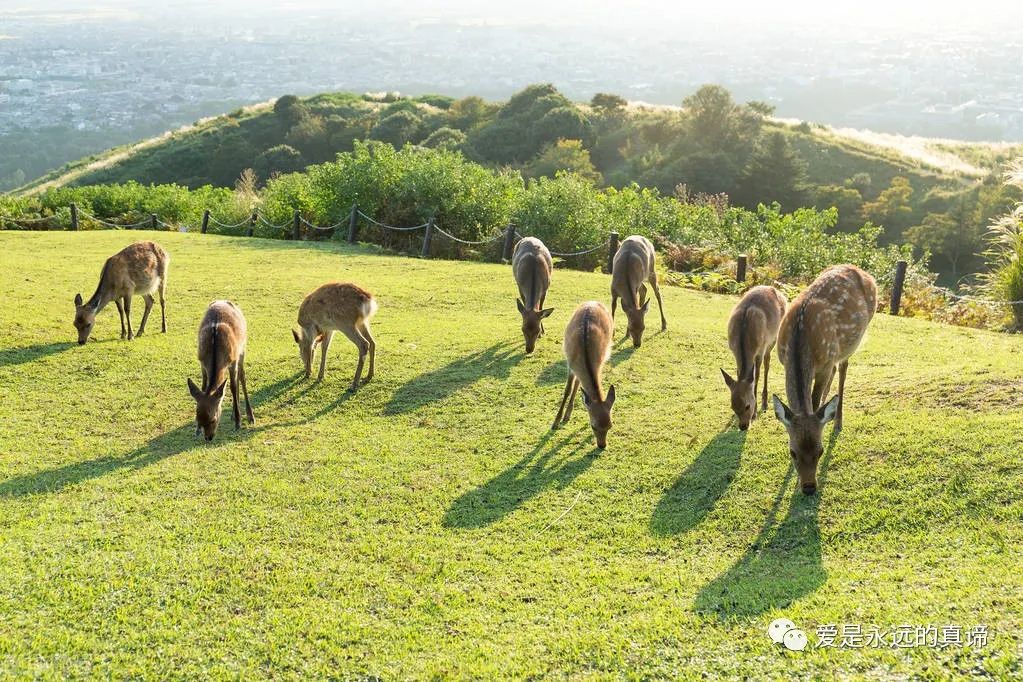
(431, 526)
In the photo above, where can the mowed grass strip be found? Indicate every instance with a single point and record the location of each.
(431, 525)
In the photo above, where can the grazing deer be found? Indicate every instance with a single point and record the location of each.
(222, 338)
(532, 265)
(587, 347)
(632, 268)
(820, 331)
(752, 333)
(336, 306)
(137, 270)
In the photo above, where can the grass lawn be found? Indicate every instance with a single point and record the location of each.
(431, 526)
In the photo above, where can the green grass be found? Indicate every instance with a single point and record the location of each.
(431, 526)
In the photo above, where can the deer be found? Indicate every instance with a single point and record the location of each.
(336, 306)
(752, 333)
(631, 269)
(532, 265)
(136, 270)
(819, 333)
(222, 339)
(587, 347)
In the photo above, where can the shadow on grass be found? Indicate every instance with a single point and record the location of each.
(783, 564)
(161, 447)
(701, 485)
(544, 467)
(20, 356)
(557, 372)
(496, 361)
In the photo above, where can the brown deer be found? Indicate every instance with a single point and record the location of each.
(587, 347)
(222, 338)
(336, 306)
(532, 265)
(820, 331)
(137, 270)
(631, 269)
(752, 333)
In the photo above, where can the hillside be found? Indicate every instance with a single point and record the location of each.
(431, 526)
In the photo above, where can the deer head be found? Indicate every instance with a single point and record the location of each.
(207, 408)
(306, 340)
(85, 318)
(744, 399)
(636, 317)
(600, 415)
(805, 439)
(531, 323)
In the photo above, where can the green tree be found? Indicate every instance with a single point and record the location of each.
(397, 129)
(775, 173)
(762, 108)
(717, 122)
(562, 123)
(445, 138)
(278, 160)
(608, 104)
(846, 200)
(892, 208)
(563, 155)
(289, 110)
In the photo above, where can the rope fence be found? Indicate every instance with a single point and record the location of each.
(896, 277)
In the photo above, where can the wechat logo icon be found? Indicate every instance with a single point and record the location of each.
(783, 631)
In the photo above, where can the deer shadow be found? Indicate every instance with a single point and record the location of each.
(21, 356)
(693, 494)
(165, 445)
(783, 564)
(496, 361)
(544, 467)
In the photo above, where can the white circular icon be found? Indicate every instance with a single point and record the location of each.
(795, 640)
(778, 628)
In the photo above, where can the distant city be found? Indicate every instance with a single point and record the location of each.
(130, 72)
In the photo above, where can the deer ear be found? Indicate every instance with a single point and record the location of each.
(219, 393)
(828, 411)
(518, 304)
(729, 381)
(645, 306)
(546, 312)
(610, 399)
(193, 389)
(78, 299)
(298, 339)
(782, 411)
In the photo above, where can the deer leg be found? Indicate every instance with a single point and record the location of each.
(372, 349)
(614, 304)
(660, 305)
(821, 386)
(127, 316)
(245, 389)
(148, 298)
(564, 399)
(120, 314)
(842, 368)
(571, 399)
(324, 345)
(542, 330)
(363, 345)
(767, 368)
(163, 311)
(233, 372)
(756, 381)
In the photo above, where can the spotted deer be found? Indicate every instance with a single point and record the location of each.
(222, 339)
(752, 333)
(820, 331)
(336, 306)
(136, 270)
(631, 270)
(532, 265)
(587, 347)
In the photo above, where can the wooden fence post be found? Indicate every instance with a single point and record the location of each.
(297, 228)
(353, 223)
(428, 238)
(612, 249)
(74, 217)
(740, 268)
(509, 241)
(900, 279)
(205, 221)
(252, 223)
(153, 222)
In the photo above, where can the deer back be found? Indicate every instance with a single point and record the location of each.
(532, 265)
(588, 345)
(222, 338)
(631, 268)
(335, 306)
(753, 325)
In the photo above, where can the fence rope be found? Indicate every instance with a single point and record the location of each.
(392, 227)
(267, 223)
(89, 216)
(490, 240)
(29, 221)
(572, 253)
(226, 226)
(971, 299)
(318, 227)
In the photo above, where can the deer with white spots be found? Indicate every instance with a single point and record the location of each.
(752, 333)
(820, 331)
(532, 265)
(631, 270)
(588, 340)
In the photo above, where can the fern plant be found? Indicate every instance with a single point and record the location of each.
(1004, 279)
